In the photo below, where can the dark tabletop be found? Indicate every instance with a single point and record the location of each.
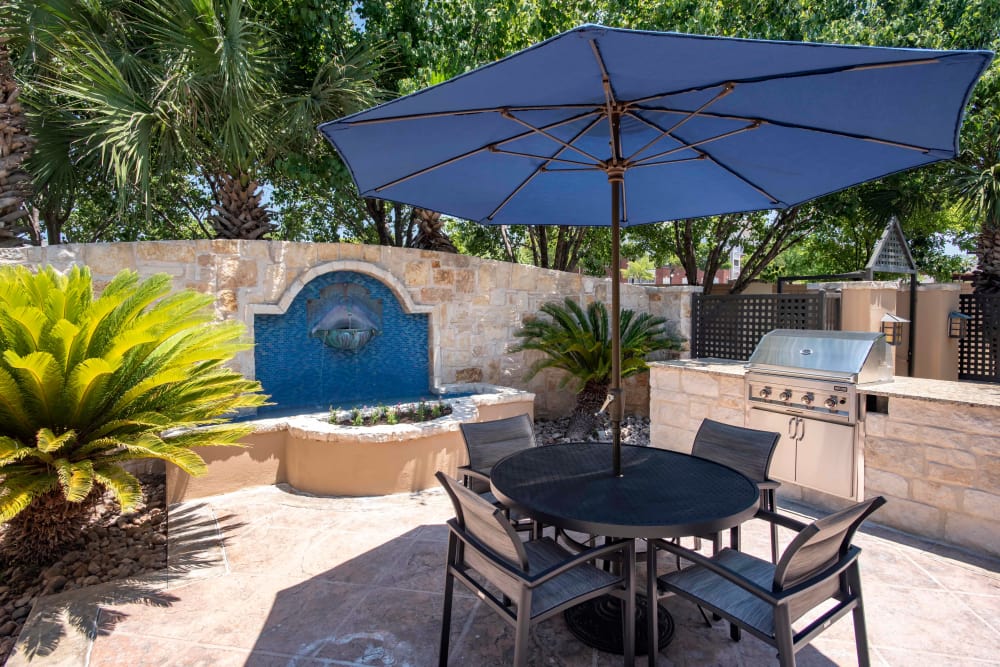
(660, 493)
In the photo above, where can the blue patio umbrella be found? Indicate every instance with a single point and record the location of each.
(657, 126)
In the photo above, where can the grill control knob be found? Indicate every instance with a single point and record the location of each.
(807, 399)
(831, 403)
(765, 392)
(785, 395)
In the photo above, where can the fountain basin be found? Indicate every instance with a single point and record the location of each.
(315, 456)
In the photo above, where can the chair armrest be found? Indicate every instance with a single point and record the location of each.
(469, 472)
(784, 521)
(709, 564)
(768, 484)
(539, 578)
(822, 577)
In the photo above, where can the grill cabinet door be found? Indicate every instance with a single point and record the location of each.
(783, 462)
(825, 457)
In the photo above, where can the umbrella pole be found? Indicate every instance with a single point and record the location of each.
(615, 392)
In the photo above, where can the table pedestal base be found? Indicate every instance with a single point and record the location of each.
(598, 623)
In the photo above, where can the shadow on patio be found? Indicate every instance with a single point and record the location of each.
(300, 580)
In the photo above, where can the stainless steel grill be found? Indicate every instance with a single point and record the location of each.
(803, 384)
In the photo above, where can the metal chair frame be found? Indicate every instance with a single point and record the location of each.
(507, 574)
(804, 578)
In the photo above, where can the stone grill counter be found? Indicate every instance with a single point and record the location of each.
(931, 447)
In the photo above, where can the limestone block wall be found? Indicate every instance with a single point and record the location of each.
(679, 399)
(474, 305)
(931, 447)
(938, 464)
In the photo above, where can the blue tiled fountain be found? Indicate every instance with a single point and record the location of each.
(344, 340)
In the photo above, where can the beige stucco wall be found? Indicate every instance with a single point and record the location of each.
(324, 459)
(935, 454)
(474, 305)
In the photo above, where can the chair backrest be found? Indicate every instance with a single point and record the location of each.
(488, 442)
(485, 523)
(744, 449)
(821, 544)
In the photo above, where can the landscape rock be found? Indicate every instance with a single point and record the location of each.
(104, 552)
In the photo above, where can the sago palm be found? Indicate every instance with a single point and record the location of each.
(88, 383)
(578, 343)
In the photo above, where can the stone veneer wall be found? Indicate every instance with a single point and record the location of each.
(936, 460)
(475, 305)
(938, 464)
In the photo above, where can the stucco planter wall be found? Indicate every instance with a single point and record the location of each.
(315, 456)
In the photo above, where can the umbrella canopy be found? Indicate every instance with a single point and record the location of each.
(679, 125)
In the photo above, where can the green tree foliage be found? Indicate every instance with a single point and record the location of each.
(87, 384)
(128, 91)
(578, 343)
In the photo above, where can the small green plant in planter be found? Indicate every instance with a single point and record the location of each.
(88, 383)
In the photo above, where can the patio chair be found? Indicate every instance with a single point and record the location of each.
(765, 599)
(535, 579)
(489, 441)
(748, 451)
(486, 443)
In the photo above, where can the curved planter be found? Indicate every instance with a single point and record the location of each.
(312, 455)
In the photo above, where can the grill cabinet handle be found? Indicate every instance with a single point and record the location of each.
(792, 428)
(800, 431)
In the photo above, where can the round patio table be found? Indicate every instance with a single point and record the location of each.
(660, 494)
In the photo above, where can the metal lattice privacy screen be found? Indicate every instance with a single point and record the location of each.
(975, 361)
(729, 326)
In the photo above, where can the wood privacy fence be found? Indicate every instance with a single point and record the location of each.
(729, 326)
(976, 361)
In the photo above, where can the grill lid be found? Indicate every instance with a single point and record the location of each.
(851, 356)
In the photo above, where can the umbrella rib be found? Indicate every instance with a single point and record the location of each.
(550, 137)
(461, 112)
(685, 146)
(702, 155)
(760, 190)
(790, 75)
(796, 126)
(721, 94)
(542, 168)
(546, 158)
(475, 151)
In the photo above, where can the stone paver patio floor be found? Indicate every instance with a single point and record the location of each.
(266, 576)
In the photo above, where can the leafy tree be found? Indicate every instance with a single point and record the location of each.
(88, 383)
(641, 269)
(578, 342)
(200, 86)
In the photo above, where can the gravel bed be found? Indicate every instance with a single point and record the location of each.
(635, 431)
(114, 546)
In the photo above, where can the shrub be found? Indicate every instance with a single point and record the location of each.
(88, 383)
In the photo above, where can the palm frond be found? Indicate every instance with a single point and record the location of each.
(123, 486)
(17, 493)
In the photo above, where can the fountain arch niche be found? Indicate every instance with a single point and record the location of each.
(345, 338)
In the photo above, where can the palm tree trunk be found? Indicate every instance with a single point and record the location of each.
(15, 146)
(237, 212)
(47, 528)
(583, 420)
(431, 235)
